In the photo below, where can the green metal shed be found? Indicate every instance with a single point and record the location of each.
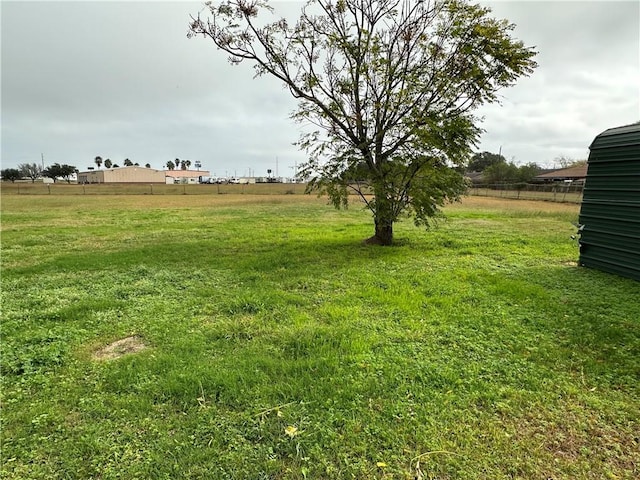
(610, 210)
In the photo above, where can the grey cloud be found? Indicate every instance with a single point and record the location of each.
(81, 79)
(588, 78)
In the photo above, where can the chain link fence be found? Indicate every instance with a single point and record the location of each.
(20, 188)
(555, 192)
(567, 193)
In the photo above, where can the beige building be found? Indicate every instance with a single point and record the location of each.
(122, 175)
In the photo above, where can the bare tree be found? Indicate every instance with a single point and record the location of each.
(30, 170)
(567, 162)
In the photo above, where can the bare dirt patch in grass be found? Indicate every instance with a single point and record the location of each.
(120, 348)
(576, 434)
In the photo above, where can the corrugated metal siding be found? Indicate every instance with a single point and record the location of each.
(133, 175)
(610, 211)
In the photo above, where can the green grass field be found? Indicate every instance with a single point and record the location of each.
(267, 342)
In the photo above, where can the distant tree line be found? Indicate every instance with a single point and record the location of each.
(496, 169)
(567, 162)
(11, 174)
(33, 171)
(56, 171)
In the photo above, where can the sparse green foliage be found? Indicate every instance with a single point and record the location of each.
(171, 165)
(127, 163)
(392, 86)
(98, 161)
(108, 163)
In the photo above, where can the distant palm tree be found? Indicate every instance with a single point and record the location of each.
(98, 161)
(147, 165)
(171, 165)
(108, 163)
(128, 163)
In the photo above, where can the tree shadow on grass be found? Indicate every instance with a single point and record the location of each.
(593, 319)
(263, 256)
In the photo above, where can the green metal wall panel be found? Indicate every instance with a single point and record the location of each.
(610, 210)
(624, 182)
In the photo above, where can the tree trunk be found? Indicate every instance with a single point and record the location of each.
(383, 235)
(382, 216)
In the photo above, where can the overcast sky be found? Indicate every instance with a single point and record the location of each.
(121, 80)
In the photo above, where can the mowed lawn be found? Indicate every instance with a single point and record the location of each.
(265, 341)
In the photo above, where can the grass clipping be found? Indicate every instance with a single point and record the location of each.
(119, 348)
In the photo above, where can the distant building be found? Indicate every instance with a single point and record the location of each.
(184, 176)
(133, 174)
(251, 180)
(573, 174)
